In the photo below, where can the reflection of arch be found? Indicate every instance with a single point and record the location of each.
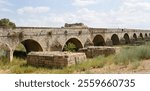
(115, 39)
(99, 40)
(76, 42)
(141, 35)
(135, 36)
(31, 45)
(127, 39)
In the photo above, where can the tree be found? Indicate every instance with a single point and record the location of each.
(6, 23)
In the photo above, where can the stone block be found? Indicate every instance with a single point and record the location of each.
(94, 51)
(54, 59)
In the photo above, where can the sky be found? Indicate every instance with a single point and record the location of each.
(93, 13)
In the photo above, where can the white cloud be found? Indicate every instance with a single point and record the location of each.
(84, 15)
(84, 2)
(33, 10)
(131, 14)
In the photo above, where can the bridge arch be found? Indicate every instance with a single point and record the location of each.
(98, 40)
(31, 45)
(115, 39)
(146, 35)
(141, 36)
(127, 39)
(25, 47)
(74, 41)
(135, 36)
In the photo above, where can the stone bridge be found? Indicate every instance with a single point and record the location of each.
(54, 39)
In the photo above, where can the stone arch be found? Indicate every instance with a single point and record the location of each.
(31, 45)
(115, 39)
(127, 39)
(98, 40)
(146, 35)
(135, 36)
(141, 36)
(75, 41)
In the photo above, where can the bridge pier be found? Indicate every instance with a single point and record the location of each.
(122, 41)
(109, 43)
(10, 55)
(132, 41)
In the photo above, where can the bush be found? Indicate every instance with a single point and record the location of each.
(132, 54)
(6, 23)
(70, 47)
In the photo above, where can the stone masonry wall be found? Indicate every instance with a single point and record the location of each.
(54, 59)
(94, 51)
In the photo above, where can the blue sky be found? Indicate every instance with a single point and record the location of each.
(94, 13)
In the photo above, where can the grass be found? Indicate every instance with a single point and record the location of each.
(132, 54)
(127, 56)
(19, 66)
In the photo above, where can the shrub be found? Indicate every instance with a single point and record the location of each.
(6, 23)
(132, 54)
(70, 47)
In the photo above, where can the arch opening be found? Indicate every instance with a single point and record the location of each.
(127, 39)
(25, 47)
(98, 41)
(141, 36)
(115, 39)
(135, 37)
(146, 35)
(72, 44)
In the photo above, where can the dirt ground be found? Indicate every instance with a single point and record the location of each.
(4, 71)
(144, 68)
